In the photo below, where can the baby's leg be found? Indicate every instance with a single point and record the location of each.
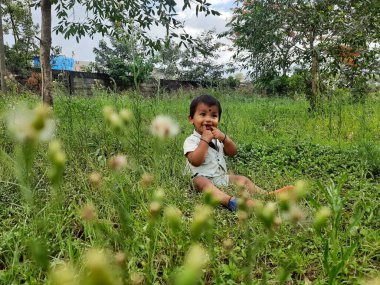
(246, 183)
(201, 183)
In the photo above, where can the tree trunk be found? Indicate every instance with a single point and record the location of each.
(314, 81)
(45, 47)
(314, 95)
(2, 53)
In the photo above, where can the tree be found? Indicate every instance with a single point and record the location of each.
(168, 61)
(126, 58)
(356, 52)
(16, 18)
(202, 65)
(45, 45)
(2, 55)
(261, 29)
(279, 33)
(105, 17)
(18, 21)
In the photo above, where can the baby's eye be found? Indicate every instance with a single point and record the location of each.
(202, 114)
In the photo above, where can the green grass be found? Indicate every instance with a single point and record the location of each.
(337, 151)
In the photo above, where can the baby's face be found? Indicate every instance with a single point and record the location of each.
(205, 118)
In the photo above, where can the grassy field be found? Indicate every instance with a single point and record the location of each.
(68, 214)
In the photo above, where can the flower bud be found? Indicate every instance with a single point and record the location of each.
(296, 214)
(228, 244)
(118, 162)
(63, 275)
(54, 147)
(107, 112)
(372, 281)
(95, 179)
(58, 159)
(42, 113)
(277, 221)
(38, 123)
(126, 116)
(267, 215)
(242, 216)
(258, 207)
(88, 212)
(321, 218)
(146, 180)
(137, 278)
(196, 259)
(120, 258)
(154, 208)
(300, 189)
(113, 118)
(173, 215)
(159, 195)
(115, 122)
(201, 220)
(97, 266)
(284, 201)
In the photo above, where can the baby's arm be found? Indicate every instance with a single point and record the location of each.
(198, 156)
(230, 148)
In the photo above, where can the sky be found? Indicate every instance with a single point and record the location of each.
(83, 51)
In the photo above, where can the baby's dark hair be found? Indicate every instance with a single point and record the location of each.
(205, 99)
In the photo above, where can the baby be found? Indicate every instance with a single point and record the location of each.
(205, 150)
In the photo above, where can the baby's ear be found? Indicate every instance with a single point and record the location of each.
(190, 118)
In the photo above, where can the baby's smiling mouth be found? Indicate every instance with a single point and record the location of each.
(208, 127)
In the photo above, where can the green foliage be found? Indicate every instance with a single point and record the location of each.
(17, 20)
(303, 160)
(17, 60)
(167, 65)
(107, 19)
(297, 82)
(126, 60)
(360, 88)
(325, 37)
(199, 63)
(202, 66)
(231, 82)
(272, 84)
(129, 212)
(370, 151)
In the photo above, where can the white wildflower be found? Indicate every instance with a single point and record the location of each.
(164, 127)
(27, 124)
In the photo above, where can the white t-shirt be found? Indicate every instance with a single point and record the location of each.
(214, 164)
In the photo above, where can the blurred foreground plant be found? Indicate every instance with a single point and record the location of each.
(335, 255)
(29, 127)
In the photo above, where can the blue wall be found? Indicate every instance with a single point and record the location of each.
(57, 62)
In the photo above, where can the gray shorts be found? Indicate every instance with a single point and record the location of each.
(218, 181)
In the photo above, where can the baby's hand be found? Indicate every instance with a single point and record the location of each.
(207, 135)
(218, 134)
